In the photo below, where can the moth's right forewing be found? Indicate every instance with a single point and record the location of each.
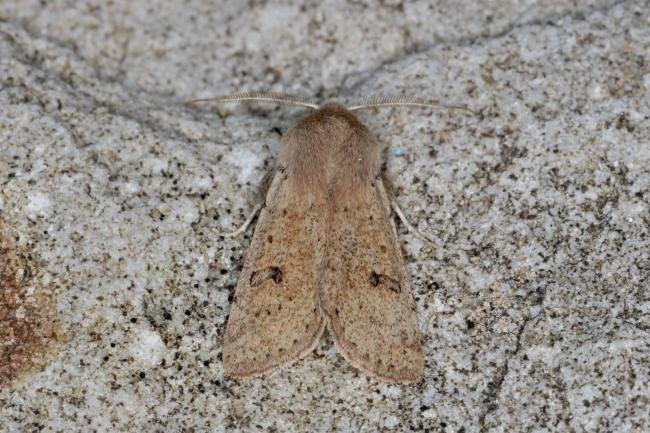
(275, 318)
(366, 293)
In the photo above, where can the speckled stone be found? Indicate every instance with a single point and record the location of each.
(533, 297)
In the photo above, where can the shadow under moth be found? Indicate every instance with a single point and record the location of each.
(325, 253)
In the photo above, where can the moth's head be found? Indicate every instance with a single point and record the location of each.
(330, 113)
(330, 123)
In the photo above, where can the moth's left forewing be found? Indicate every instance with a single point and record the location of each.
(365, 288)
(275, 318)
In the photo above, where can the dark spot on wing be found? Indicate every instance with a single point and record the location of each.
(276, 275)
(384, 280)
(374, 279)
(272, 272)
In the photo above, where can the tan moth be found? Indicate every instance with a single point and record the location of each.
(325, 253)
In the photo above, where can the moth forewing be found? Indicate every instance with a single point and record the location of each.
(275, 318)
(366, 294)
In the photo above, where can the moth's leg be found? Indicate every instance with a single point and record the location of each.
(409, 227)
(260, 199)
(390, 192)
(265, 184)
(244, 226)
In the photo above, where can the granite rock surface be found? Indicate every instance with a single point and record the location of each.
(533, 295)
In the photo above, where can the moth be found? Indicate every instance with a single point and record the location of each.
(325, 254)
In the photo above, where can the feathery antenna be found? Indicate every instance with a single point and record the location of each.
(276, 97)
(383, 101)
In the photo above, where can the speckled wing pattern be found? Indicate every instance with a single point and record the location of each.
(275, 318)
(325, 250)
(365, 289)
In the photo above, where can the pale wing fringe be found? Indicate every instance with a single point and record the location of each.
(399, 101)
(261, 96)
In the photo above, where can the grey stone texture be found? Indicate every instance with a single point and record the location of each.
(533, 295)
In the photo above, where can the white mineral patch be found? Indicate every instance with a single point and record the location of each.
(245, 161)
(38, 205)
(147, 348)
